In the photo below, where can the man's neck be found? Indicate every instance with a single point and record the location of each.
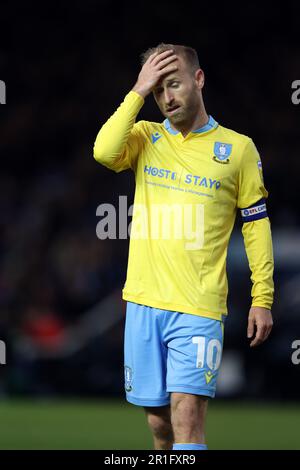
(199, 121)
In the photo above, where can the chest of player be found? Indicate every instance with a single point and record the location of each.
(193, 169)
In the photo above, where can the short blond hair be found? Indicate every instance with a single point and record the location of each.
(188, 54)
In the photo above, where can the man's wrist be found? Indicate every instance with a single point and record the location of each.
(265, 307)
(142, 92)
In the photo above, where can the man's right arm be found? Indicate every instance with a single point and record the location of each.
(119, 141)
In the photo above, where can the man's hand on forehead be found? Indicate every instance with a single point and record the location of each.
(156, 66)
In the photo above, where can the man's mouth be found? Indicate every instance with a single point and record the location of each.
(173, 109)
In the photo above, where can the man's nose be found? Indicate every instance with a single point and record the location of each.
(168, 96)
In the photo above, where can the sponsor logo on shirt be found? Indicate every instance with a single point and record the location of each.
(160, 172)
(193, 180)
(197, 180)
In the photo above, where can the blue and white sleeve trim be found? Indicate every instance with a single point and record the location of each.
(255, 212)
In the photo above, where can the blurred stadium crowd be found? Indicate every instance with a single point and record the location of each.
(63, 82)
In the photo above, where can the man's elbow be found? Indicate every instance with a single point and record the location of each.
(99, 155)
(109, 160)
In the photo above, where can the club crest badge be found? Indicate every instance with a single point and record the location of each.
(222, 152)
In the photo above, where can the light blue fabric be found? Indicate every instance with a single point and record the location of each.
(189, 447)
(166, 351)
(211, 124)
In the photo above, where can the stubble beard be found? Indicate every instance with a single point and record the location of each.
(179, 117)
(183, 118)
(186, 114)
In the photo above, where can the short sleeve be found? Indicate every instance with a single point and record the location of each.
(251, 187)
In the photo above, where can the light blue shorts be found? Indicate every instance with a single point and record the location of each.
(166, 351)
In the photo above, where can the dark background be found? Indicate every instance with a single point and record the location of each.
(67, 66)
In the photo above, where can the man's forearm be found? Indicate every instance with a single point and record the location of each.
(259, 249)
(114, 134)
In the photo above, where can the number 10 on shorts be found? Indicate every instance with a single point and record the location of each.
(211, 350)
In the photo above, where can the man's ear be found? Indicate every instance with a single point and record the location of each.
(199, 78)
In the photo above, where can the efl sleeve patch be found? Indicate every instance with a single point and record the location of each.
(255, 212)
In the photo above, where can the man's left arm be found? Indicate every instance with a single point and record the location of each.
(258, 246)
(258, 243)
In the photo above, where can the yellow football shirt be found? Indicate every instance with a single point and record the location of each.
(188, 190)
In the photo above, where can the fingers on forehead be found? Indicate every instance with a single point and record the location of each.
(162, 53)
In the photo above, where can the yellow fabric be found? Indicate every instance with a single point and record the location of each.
(258, 244)
(176, 177)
